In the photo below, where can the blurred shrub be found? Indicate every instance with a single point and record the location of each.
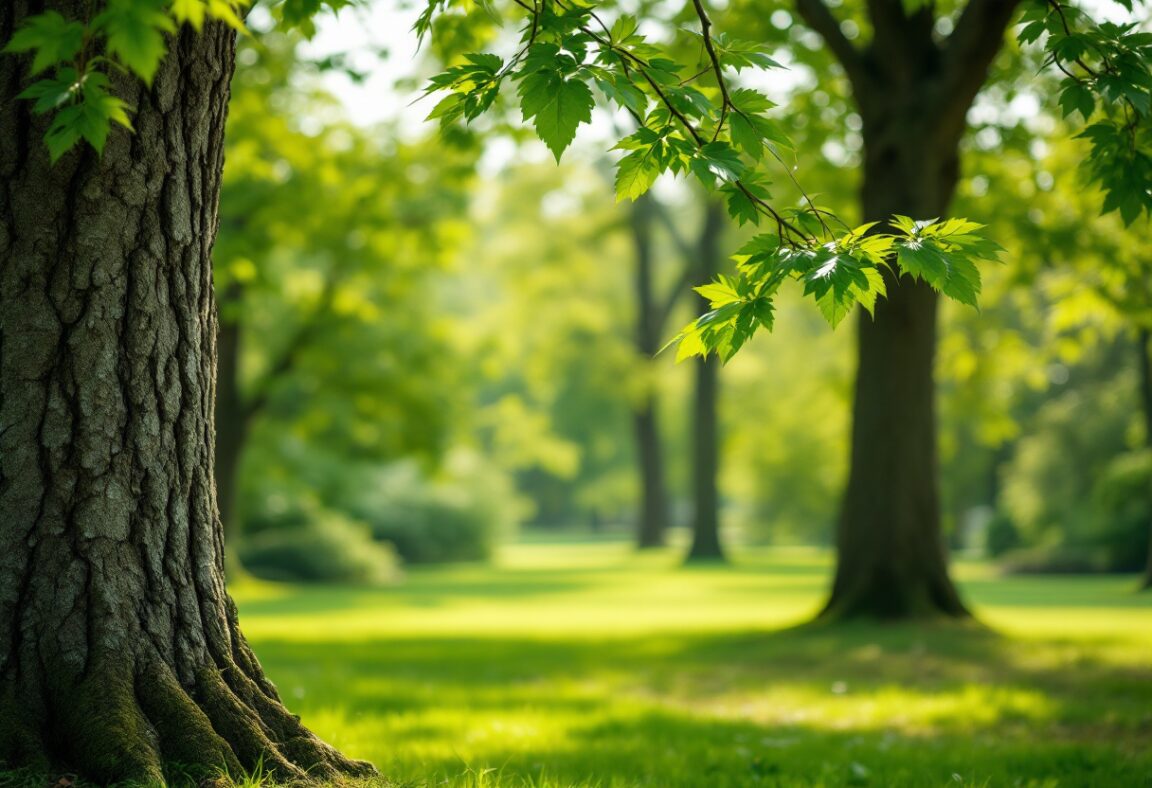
(1001, 535)
(1122, 499)
(1052, 560)
(314, 545)
(1048, 485)
(461, 515)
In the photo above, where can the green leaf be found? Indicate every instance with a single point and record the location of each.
(1077, 97)
(835, 280)
(718, 293)
(953, 274)
(718, 159)
(89, 119)
(191, 11)
(745, 136)
(557, 106)
(636, 173)
(619, 90)
(135, 31)
(61, 138)
(227, 11)
(53, 38)
(740, 206)
(53, 93)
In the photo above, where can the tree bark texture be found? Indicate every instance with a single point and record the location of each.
(653, 516)
(913, 94)
(119, 646)
(706, 544)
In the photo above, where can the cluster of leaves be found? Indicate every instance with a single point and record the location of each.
(567, 51)
(724, 137)
(78, 56)
(1107, 80)
(689, 120)
(838, 274)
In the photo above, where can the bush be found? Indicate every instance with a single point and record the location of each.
(1122, 499)
(1052, 561)
(460, 516)
(317, 546)
(1001, 536)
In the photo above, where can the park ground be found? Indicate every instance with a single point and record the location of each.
(584, 664)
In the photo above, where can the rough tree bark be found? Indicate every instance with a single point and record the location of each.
(119, 646)
(653, 515)
(706, 545)
(913, 94)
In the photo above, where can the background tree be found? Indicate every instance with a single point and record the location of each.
(325, 264)
(706, 544)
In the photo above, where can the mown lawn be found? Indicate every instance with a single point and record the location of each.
(586, 665)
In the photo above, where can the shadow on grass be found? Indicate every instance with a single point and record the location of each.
(850, 705)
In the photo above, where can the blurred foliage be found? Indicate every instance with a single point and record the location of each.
(432, 317)
(1123, 504)
(310, 544)
(459, 515)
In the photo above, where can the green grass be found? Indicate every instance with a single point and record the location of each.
(587, 665)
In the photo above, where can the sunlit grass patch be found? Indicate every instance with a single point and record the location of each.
(577, 665)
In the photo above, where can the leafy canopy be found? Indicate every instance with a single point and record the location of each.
(690, 119)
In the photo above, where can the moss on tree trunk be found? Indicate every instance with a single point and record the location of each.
(119, 646)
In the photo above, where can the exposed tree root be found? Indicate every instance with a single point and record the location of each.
(121, 723)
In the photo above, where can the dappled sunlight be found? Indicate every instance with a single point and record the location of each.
(599, 672)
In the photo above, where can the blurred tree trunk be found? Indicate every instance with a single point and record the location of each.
(653, 516)
(1144, 349)
(119, 647)
(706, 545)
(235, 412)
(913, 94)
(231, 423)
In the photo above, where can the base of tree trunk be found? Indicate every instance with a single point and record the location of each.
(128, 726)
(890, 597)
(650, 541)
(705, 560)
(127, 720)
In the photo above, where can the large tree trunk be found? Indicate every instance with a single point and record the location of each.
(653, 515)
(119, 647)
(706, 545)
(890, 550)
(913, 92)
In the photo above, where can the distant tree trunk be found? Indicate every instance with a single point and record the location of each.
(913, 95)
(119, 647)
(1144, 349)
(706, 545)
(653, 516)
(231, 424)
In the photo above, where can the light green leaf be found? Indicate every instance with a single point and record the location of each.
(636, 173)
(190, 11)
(718, 293)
